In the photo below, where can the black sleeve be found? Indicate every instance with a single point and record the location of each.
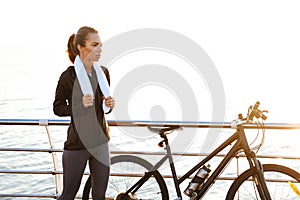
(61, 104)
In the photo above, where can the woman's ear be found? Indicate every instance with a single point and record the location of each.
(79, 47)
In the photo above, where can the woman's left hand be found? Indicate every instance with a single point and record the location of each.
(110, 102)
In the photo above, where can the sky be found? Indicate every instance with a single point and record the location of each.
(255, 45)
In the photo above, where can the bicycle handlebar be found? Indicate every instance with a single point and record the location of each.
(257, 113)
(252, 112)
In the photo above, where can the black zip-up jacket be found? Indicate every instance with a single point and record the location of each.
(88, 127)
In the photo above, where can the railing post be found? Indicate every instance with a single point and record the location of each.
(54, 157)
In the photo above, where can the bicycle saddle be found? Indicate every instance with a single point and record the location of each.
(162, 128)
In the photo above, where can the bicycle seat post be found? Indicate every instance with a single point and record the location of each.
(163, 131)
(172, 166)
(163, 135)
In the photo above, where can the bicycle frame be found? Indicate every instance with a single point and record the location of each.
(240, 143)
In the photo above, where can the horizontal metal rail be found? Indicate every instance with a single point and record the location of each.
(144, 123)
(38, 196)
(150, 153)
(29, 196)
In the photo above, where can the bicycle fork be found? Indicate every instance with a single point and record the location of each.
(260, 181)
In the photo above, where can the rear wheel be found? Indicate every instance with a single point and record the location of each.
(125, 171)
(277, 179)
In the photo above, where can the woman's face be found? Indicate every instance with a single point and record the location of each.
(92, 49)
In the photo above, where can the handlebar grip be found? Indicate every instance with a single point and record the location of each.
(254, 110)
(256, 105)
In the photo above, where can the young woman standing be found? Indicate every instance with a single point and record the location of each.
(82, 93)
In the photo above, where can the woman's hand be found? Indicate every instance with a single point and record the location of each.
(110, 102)
(87, 100)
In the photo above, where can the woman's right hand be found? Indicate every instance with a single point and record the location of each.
(87, 100)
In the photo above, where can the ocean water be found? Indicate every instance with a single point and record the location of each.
(27, 92)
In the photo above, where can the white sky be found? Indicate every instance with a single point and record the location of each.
(255, 45)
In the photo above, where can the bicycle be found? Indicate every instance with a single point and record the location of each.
(139, 179)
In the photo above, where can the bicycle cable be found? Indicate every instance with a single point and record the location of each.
(261, 126)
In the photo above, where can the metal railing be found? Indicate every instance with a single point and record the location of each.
(56, 172)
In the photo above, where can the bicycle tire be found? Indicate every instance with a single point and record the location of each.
(276, 176)
(154, 188)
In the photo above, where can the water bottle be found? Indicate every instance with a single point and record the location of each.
(197, 181)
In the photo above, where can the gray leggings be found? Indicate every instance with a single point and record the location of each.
(74, 163)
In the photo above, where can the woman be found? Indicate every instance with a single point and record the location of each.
(80, 93)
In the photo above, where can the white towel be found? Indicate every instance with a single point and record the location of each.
(85, 83)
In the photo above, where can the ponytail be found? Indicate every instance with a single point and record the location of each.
(72, 49)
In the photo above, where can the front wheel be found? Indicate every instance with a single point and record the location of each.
(277, 179)
(125, 171)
